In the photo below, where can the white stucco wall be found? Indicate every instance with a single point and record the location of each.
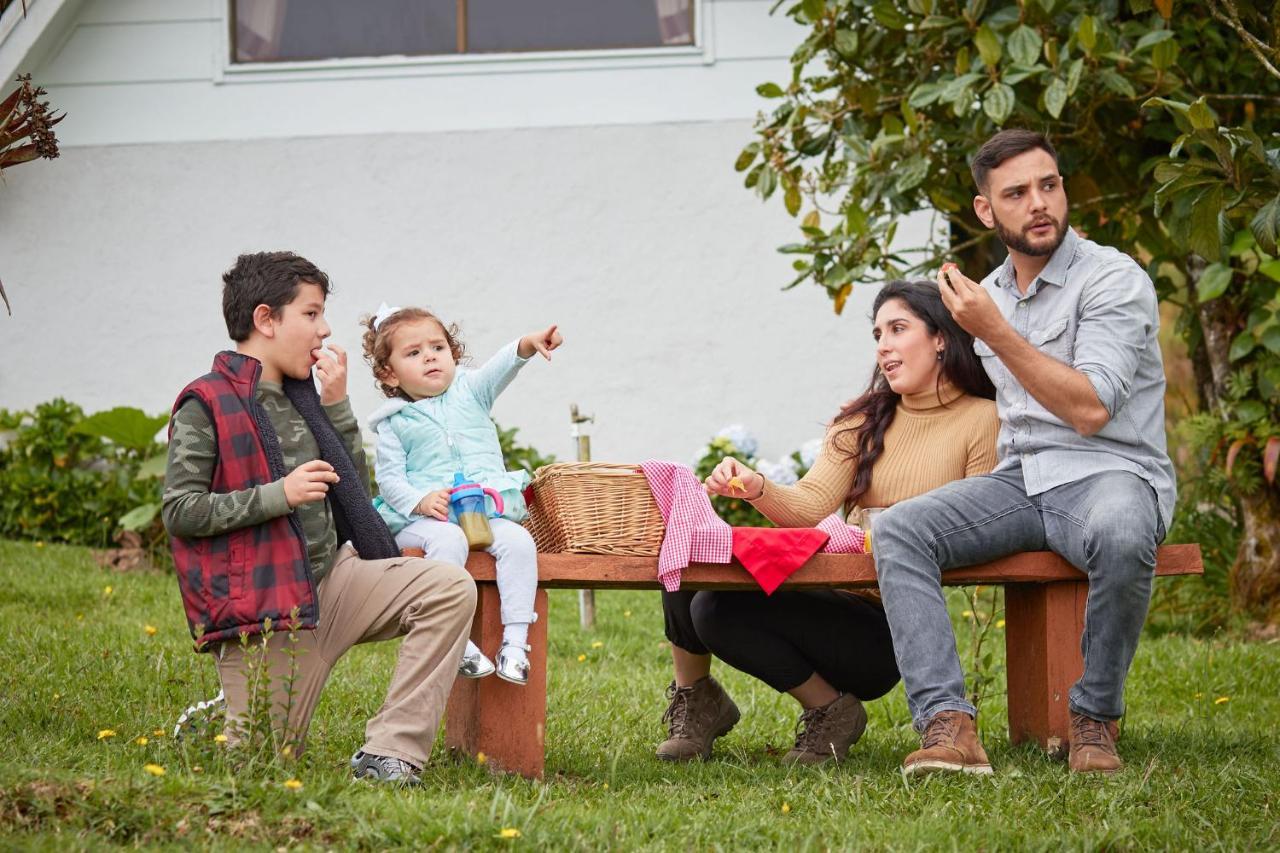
(636, 237)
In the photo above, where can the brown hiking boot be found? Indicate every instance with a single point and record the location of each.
(697, 715)
(1093, 745)
(826, 733)
(950, 743)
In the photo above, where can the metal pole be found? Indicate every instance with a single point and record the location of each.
(586, 597)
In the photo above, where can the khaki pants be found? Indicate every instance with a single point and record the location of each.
(428, 603)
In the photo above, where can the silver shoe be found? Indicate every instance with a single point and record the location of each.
(513, 666)
(202, 717)
(474, 663)
(384, 768)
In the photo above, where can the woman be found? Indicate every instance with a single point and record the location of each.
(927, 418)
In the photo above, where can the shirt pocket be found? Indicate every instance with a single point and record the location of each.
(1053, 340)
(992, 364)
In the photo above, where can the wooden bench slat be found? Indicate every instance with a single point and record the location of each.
(604, 571)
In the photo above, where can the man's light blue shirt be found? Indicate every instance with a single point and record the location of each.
(1094, 308)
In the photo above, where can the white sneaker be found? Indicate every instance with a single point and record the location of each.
(513, 663)
(474, 663)
(206, 715)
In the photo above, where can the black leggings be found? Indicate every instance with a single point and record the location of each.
(784, 638)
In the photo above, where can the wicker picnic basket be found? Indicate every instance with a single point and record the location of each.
(594, 508)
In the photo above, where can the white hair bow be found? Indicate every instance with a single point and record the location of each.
(384, 311)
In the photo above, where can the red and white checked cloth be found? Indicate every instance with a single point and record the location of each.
(696, 534)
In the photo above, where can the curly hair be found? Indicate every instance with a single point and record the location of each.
(377, 344)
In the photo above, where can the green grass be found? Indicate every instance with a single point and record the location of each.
(1200, 774)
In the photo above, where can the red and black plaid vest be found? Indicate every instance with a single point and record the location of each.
(232, 582)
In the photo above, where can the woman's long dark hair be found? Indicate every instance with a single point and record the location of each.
(876, 407)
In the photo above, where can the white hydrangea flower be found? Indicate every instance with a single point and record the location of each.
(783, 473)
(809, 452)
(741, 438)
(697, 457)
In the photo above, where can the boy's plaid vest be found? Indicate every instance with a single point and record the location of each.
(232, 582)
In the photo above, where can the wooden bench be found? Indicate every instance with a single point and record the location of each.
(1044, 616)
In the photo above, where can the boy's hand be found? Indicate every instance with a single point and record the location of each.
(540, 342)
(331, 370)
(970, 304)
(309, 482)
(732, 479)
(434, 505)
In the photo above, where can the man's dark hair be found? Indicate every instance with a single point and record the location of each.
(264, 278)
(1002, 146)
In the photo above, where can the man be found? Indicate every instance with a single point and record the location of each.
(1066, 329)
(265, 483)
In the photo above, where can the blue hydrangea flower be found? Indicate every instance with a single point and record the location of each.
(741, 438)
(783, 473)
(809, 452)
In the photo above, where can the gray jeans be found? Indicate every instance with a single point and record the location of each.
(1107, 525)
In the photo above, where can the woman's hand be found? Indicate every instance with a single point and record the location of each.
(732, 479)
(434, 505)
(542, 342)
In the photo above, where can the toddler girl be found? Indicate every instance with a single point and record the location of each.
(435, 426)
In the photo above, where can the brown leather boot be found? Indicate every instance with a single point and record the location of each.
(697, 715)
(950, 743)
(826, 733)
(1093, 745)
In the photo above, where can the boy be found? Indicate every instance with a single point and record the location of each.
(265, 482)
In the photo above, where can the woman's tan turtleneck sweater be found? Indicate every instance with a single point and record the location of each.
(934, 439)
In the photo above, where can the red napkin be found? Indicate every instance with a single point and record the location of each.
(772, 554)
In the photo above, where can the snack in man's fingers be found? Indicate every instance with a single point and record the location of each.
(736, 485)
(948, 268)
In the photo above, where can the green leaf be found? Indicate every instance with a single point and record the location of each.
(1168, 170)
(1154, 37)
(124, 426)
(847, 43)
(998, 103)
(1024, 45)
(139, 517)
(768, 182)
(1213, 282)
(1271, 339)
(1087, 34)
(988, 46)
(813, 9)
(1055, 97)
(1074, 70)
(1271, 269)
(1249, 411)
(886, 12)
(1242, 345)
(1164, 55)
(1266, 226)
(1117, 83)
(924, 95)
(747, 157)
(1201, 116)
(911, 173)
(1205, 238)
(791, 199)
(153, 467)
(770, 90)
(909, 115)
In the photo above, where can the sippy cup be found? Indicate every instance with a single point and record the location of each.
(467, 501)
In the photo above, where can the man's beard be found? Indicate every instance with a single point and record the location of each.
(1018, 242)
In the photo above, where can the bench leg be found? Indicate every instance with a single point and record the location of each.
(506, 722)
(1042, 658)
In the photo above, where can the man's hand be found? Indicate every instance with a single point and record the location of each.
(970, 305)
(434, 505)
(540, 342)
(308, 482)
(331, 370)
(732, 479)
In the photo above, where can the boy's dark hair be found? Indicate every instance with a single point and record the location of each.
(1002, 146)
(264, 278)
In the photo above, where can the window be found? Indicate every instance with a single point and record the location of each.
(284, 31)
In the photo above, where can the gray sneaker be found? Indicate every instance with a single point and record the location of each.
(202, 717)
(826, 733)
(696, 716)
(384, 768)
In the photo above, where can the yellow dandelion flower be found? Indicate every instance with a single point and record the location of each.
(606, 786)
(581, 658)
(103, 734)
(481, 758)
(219, 738)
(39, 543)
(999, 623)
(1221, 700)
(968, 614)
(107, 590)
(153, 769)
(57, 696)
(1197, 695)
(597, 645)
(293, 784)
(151, 630)
(979, 588)
(287, 750)
(509, 832)
(142, 741)
(79, 617)
(197, 769)
(158, 733)
(786, 808)
(626, 613)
